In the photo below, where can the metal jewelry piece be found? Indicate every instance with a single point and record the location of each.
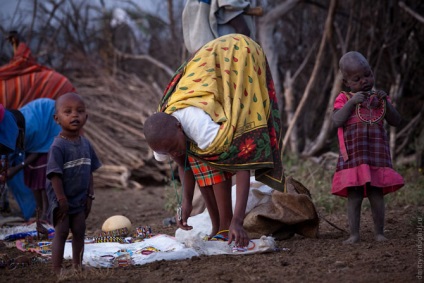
(180, 213)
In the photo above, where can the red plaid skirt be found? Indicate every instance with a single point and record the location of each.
(206, 175)
(369, 161)
(365, 144)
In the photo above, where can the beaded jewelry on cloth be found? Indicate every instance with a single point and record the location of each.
(372, 110)
(143, 233)
(108, 239)
(237, 249)
(115, 233)
(111, 236)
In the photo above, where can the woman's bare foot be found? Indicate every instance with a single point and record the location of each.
(352, 240)
(213, 233)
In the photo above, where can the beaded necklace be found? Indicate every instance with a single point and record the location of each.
(179, 198)
(69, 139)
(368, 110)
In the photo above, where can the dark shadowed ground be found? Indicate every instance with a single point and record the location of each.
(312, 260)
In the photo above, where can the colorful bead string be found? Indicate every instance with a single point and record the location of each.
(115, 233)
(143, 232)
(244, 249)
(108, 239)
(148, 250)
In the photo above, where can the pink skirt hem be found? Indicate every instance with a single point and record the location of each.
(382, 177)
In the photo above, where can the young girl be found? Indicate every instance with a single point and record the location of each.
(71, 162)
(364, 168)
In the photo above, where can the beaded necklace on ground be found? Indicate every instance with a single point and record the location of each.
(179, 198)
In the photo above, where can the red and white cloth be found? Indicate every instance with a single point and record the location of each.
(24, 80)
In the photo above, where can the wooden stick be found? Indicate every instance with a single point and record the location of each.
(254, 11)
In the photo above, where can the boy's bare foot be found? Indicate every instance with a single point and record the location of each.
(57, 271)
(351, 240)
(380, 238)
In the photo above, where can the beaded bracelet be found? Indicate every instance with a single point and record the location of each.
(244, 249)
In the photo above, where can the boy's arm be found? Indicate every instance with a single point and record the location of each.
(188, 184)
(90, 197)
(57, 184)
(91, 186)
(237, 232)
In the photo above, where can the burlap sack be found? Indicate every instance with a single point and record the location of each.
(285, 214)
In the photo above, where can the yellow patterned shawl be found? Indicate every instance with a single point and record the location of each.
(230, 80)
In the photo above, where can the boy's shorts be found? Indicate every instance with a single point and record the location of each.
(206, 175)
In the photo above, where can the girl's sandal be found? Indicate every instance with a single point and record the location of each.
(221, 236)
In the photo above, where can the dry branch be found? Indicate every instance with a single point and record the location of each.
(326, 34)
(411, 12)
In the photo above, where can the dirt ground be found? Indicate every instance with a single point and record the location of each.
(312, 260)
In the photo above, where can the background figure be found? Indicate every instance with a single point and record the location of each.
(206, 20)
(9, 132)
(37, 130)
(364, 168)
(70, 167)
(24, 79)
(21, 81)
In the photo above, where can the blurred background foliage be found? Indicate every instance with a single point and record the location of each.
(303, 41)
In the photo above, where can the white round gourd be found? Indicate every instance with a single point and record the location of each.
(116, 222)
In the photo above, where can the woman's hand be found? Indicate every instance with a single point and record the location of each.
(238, 235)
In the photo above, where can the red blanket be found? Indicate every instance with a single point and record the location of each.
(23, 80)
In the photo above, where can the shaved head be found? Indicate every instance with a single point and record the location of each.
(350, 60)
(159, 128)
(66, 97)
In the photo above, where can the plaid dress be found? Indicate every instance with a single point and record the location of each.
(367, 158)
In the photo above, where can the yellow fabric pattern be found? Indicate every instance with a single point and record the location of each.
(228, 85)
